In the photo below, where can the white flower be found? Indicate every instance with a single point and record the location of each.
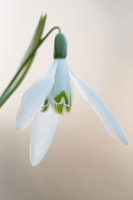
(51, 96)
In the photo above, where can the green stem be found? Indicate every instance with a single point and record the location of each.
(34, 50)
(21, 68)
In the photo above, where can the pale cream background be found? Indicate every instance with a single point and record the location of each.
(84, 161)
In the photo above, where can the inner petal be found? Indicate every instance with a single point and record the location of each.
(60, 95)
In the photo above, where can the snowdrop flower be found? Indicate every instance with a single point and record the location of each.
(52, 96)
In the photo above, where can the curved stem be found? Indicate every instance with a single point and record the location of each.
(51, 30)
(41, 41)
(25, 62)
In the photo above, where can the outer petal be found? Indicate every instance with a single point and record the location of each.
(34, 97)
(101, 109)
(43, 128)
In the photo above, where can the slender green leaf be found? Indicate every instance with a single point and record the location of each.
(25, 63)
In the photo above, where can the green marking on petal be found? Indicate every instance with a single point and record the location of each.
(68, 108)
(45, 107)
(59, 97)
(59, 107)
(45, 102)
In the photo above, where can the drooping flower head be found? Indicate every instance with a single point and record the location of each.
(60, 94)
(52, 96)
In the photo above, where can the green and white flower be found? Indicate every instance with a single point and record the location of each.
(52, 96)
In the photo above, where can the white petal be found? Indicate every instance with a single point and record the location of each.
(62, 82)
(101, 109)
(72, 94)
(43, 128)
(34, 97)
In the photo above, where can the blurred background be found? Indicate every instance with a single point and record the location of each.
(84, 161)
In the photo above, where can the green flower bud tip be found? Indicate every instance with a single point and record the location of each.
(60, 46)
